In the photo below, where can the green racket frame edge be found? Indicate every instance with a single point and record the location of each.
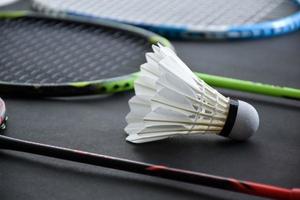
(125, 83)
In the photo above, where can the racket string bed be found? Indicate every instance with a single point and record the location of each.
(191, 13)
(53, 51)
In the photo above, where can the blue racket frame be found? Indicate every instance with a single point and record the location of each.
(249, 31)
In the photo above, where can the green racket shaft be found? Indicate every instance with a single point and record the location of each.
(249, 86)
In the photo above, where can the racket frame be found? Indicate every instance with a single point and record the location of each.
(265, 29)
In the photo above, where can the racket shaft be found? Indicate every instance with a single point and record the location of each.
(249, 86)
(144, 168)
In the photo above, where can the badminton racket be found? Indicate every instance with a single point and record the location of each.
(192, 177)
(64, 56)
(191, 19)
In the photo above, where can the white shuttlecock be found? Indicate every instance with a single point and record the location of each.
(171, 100)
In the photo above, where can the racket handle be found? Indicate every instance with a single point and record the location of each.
(249, 86)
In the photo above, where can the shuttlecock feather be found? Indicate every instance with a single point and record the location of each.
(171, 100)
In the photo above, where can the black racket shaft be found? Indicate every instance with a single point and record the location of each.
(149, 169)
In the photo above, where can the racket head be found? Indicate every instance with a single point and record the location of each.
(65, 56)
(190, 20)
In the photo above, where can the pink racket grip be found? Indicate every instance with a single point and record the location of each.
(295, 194)
(2, 112)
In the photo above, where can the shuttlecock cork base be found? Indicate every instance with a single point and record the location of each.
(170, 100)
(242, 121)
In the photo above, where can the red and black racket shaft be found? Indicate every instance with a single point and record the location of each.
(149, 169)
